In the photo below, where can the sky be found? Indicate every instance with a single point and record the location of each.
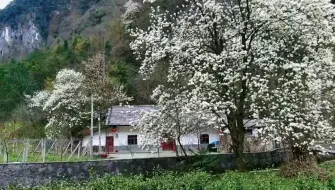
(3, 3)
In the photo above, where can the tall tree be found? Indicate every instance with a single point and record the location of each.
(66, 106)
(245, 58)
(105, 92)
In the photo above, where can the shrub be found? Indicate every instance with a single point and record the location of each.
(196, 180)
(304, 183)
(307, 167)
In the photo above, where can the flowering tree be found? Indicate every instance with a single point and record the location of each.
(172, 119)
(268, 60)
(65, 106)
(98, 83)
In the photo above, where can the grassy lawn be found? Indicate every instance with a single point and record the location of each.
(51, 157)
(198, 180)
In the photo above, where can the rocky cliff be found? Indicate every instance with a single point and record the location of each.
(26, 25)
(19, 40)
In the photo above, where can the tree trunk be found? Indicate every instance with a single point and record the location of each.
(237, 133)
(300, 154)
(238, 153)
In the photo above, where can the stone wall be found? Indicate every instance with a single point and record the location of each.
(32, 174)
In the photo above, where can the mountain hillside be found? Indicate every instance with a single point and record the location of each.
(39, 38)
(26, 25)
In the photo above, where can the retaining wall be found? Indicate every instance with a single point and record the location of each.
(32, 174)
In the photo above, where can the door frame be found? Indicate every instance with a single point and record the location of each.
(108, 138)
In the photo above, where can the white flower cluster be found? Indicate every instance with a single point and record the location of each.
(271, 60)
(65, 105)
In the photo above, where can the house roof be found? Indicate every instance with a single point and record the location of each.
(253, 123)
(130, 115)
(126, 115)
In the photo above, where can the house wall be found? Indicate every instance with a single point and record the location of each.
(193, 139)
(121, 135)
(86, 139)
(121, 139)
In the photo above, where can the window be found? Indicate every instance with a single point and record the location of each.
(204, 139)
(132, 139)
(248, 131)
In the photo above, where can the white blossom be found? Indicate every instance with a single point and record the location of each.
(65, 105)
(267, 59)
(172, 120)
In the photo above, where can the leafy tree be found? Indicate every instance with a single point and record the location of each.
(121, 72)
(15, 81)
(99, 85)
(32, 121)
(80, 48)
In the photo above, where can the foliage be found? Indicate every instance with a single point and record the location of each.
(100, 86)
(205, 162)
(265, 60)
(121, 72)
(305, 167)
(15, 80)
(38, 70)
(258, 180)
(33, 122)
(8, 132)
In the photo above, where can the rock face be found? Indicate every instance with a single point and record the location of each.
(16, 42)
(26, 25)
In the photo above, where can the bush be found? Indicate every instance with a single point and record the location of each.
(197, 180)
(309, 184)
(307, 167)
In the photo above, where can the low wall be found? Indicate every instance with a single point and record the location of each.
(32, 174)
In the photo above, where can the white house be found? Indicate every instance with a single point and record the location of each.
(119, 136)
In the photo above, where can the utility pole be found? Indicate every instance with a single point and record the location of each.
(44, 145)
(91, 143)
(99, 133)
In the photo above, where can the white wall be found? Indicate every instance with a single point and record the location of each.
(122, 132)
(192, 139)
(86, 139)
(121, 139)
(120, 136)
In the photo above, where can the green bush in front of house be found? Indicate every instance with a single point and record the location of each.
(199, 180)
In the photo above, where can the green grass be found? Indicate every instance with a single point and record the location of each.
(51, 157)
(198, 180)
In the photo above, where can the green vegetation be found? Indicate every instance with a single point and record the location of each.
(52, 157)
(257, 180)
(36, 72)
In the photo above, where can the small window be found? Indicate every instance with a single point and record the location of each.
(204, 139)
(132, 139)
(248, 131)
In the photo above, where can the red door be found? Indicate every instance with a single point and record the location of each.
(110, 144)
(169, 145)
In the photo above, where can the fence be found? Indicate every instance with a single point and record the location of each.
(45, 150)
(42, 150)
